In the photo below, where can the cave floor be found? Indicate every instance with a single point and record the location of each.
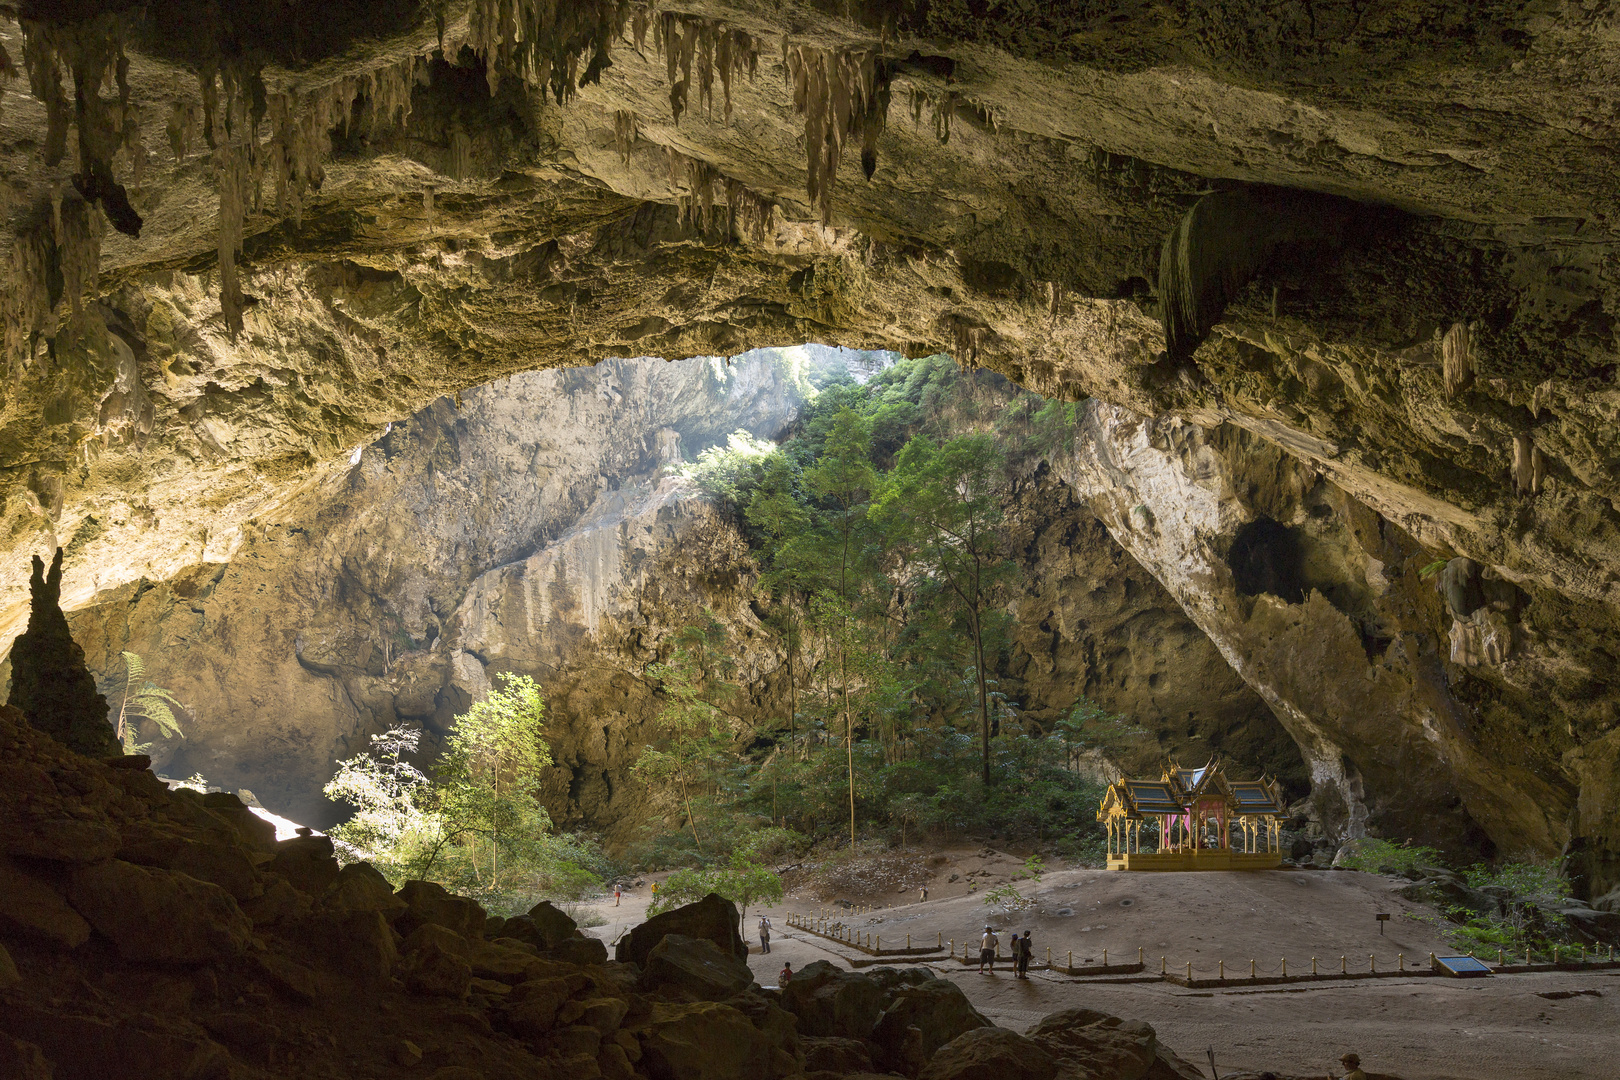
(1417, 1029)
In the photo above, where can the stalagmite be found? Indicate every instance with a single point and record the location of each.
(1529, 467)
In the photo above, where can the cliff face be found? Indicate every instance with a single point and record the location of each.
(381, 592)
(1336, 617)
(534, 529)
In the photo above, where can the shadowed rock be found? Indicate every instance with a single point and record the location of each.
(49, 681)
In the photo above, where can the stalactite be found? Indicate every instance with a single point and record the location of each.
(540, 42)
(1221, 243)
(1457, 359)
(943, 107)
(842, 94)
(747, 213)
(427, 206)
(92, 52)
(688, 40)
(967, 336)
(624, 132)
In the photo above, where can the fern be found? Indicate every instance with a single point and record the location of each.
(1432, 569)
(145, 700)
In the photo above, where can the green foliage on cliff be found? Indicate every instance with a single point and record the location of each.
(885, 572)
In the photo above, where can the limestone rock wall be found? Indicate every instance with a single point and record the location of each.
(1323, 607)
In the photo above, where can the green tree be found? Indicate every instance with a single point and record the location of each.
(143, 699)
(694, 683)
(743, 882)
(844, 477)
(941, 505)
(491, 771)
(389, 825)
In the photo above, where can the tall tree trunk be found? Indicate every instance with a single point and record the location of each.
(849, 747)
(984, 697)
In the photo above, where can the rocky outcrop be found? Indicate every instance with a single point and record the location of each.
(1323, 606)
(345, 975)
(49, 682)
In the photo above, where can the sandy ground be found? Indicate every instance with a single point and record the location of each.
(1417, 1029)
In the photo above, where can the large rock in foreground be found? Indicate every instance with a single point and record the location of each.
(713, 918)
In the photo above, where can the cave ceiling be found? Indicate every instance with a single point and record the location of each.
(348, 210)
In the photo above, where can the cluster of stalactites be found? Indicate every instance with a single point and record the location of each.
(843, 95)
(746, 213)
(68, 241)
(692, 44)
(91, 53)
(287, 134)
(540, 42)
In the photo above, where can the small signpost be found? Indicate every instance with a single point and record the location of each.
(1383, 917)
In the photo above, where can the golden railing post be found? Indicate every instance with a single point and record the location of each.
(1251, 967)
(1221, 965)
(1344, 966)
(1189, 971)
(1285, 967)
(1400, 961)
(1372, 964)
(1313, 965)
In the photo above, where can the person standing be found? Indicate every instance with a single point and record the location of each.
(987, 950)
(617, 894)
(1022, 948)
(922, 893)
(1352, 1062)
(764, 934)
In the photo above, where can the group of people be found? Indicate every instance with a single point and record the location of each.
(1022, 950)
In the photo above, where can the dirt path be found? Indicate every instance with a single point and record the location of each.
(1418, 1029)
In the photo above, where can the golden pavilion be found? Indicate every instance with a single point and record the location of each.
(1194, 811)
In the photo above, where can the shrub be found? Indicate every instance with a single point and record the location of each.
(1383, 857)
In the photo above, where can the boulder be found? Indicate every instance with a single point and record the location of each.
(501, 962)
(22, 1060)
(30, 906)
(1448, 893)
(1609, 901)
(361, 887)
(159, 915)
(1167, 1066)
(990, 1054)
(278, 902)
(248, 828)
(705, 1040)
(713, 918)
(1096, 1045)
(307, 862)
(356, 944)
(695, 968)
(8, 970)
(426, 902)
(531, 1009)
(835, 1055)
(832, 1003)
(937, 1009)
(62, 840)
(1591, 926)
(552, 925)
(215, 859)
(90, 1048)
(603, 1014)
(435, 962)
(580, 950)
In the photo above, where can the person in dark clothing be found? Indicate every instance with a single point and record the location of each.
(1024, 948)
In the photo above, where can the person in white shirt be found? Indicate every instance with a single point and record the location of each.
(764, 934)
(987, 950)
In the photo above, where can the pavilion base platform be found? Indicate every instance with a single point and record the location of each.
(1207, 859)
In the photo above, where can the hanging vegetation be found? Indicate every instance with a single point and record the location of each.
(843, 94)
